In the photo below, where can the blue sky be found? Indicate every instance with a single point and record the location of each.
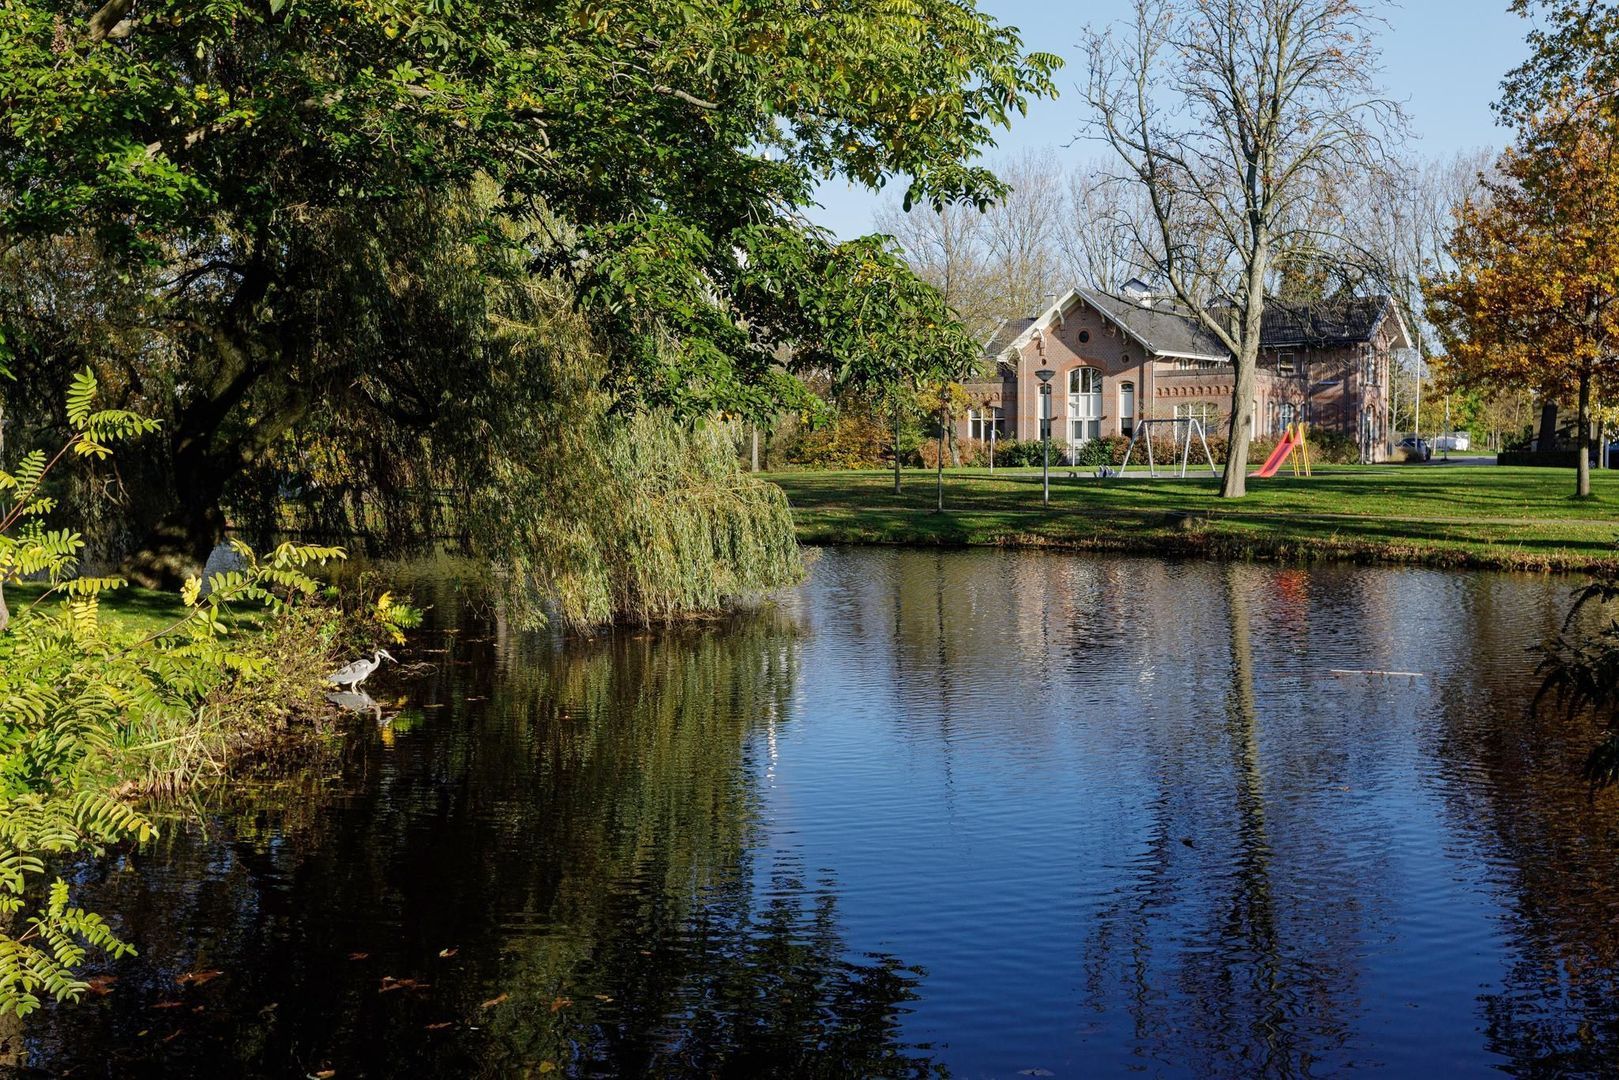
(1443, 58)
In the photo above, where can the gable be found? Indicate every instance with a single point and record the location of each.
(1161, 332)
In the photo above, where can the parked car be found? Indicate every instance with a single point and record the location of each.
(1455, 441)
(1415, 449)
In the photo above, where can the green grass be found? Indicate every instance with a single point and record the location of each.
(1439, 515)
(137, 611)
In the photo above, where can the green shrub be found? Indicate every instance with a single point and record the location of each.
(89, 713)
(1016, 453)
(1100, 452)
(850, 441)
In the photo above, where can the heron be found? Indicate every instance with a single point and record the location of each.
(352, 675)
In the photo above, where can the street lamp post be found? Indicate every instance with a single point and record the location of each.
(1044, 375)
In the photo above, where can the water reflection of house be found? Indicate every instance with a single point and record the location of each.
(1139, 355)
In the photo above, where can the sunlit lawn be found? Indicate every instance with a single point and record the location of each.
(137, 611)
(1483, 515)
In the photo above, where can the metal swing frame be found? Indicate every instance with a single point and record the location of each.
(1183, 447)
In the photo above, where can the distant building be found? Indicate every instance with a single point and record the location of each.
(1138, 355)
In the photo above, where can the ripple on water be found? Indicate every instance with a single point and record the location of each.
(990, 811)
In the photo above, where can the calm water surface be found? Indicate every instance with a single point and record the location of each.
(966, 814)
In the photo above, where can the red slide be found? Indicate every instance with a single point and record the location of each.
(1277, 456)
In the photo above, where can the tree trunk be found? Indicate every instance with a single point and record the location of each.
(1548, 427)
(1245, 375)
(940, 508)
(178, 545)
(1234, 481)
(896, 444)
(1582, 439)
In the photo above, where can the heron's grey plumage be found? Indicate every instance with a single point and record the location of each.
(352, 675)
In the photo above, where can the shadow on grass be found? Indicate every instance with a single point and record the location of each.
(141, 611)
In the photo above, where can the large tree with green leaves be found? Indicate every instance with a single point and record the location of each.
(241, 181)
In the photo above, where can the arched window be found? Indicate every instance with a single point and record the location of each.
(1084, 405)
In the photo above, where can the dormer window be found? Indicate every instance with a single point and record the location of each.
(1285, 365)
(1138, 291)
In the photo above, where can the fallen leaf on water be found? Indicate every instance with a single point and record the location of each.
(492, 1002)
(359, 956)
(558, 1003)
(101, 985)
(445, 954)
(324, 1074)
(198, 978)
(171, 1036)
(602, 997)
(548, 1066)
(391, 983)
(439, 1026)
(167, 1004)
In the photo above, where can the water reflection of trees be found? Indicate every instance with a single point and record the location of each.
(1224, 968)
(575, 833)
(1551, 853)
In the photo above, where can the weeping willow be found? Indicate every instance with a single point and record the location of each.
(600, 516)
(486, 421)
(649, 520)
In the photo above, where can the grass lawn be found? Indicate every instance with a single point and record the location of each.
(137, 611)
(1440, 515)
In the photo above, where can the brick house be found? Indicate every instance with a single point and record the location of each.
(1138, 355)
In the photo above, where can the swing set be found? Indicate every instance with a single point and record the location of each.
(1292, 448)
(1183, 429)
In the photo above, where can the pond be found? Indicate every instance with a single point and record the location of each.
(978, 814)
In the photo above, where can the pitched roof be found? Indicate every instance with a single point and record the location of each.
(1167, 328)
(1005, 334)
(1163, 328)
(1324, 324)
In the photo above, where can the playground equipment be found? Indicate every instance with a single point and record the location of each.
(1293, 446)
(1190, 425)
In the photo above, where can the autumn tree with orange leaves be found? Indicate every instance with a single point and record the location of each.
(1533, 301)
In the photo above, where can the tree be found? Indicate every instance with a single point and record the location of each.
(266, 164)
(1095, 232)
(1021, 235)
(1534, 297)
(1239, 119)
(993, 263)
(946, 249)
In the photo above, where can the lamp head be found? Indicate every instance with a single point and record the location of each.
(1044, 375)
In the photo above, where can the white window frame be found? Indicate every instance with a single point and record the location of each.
(1084, 404)
(980, 422)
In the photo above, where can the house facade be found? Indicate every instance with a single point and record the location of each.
(1121, 359)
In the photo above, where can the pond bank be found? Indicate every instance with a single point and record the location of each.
(1485, 518)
